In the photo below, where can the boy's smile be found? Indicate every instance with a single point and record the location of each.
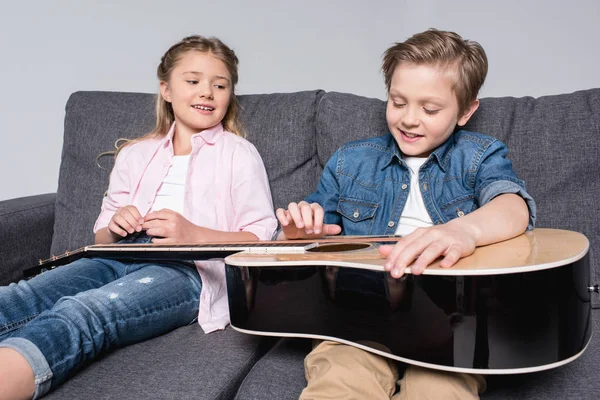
(422, 108)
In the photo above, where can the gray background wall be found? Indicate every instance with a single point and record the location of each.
(48, 49)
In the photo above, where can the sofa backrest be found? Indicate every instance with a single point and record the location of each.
(553, 141)
(281, 126)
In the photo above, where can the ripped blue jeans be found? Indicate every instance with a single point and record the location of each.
(64, 318)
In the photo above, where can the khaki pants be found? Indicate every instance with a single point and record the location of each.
(338, 371)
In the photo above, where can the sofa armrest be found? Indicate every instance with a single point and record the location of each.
(26, 227)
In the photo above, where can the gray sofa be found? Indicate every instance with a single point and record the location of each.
(554, 142)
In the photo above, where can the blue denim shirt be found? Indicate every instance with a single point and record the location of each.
(365, 184)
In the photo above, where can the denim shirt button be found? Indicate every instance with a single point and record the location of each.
(460, 213)
(425, 186)
(391, 224)
(356, 213)
(404, 186)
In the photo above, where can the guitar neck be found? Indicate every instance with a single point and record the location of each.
(197, 251)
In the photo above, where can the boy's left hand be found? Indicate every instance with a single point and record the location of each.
(167, 226)
(452, 241)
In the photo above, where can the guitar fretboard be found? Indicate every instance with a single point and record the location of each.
(197, 251)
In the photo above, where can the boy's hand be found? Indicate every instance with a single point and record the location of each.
(168, 226)
(452, 241)
(304, 221)
(126, 220)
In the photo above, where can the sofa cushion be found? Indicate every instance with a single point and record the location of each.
(184, 364)
(280, 375)
(25, 234)
(553, 141)
(93, 122)
(280, 125)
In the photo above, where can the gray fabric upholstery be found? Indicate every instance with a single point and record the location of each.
(554, 143)
(93, 122)
(183, 364)
(25, 234)
(280, 375)
(344, 117)
(282, 127)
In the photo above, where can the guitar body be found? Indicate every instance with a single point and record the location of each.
(518, 306)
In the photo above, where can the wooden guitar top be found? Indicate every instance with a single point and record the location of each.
(538, 249)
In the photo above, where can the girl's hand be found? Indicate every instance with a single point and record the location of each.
(452, 241)
(168, 226)
(126, 220)
(304, 221)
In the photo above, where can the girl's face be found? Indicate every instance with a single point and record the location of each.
(422, 109)
(199, 89)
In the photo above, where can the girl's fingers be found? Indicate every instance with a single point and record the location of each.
(160, 214)
(136, 214)
(156, 232)
(123, 223)
(132, 217)
(114, 228)
(161, 240)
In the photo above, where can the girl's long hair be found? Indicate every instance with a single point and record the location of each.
(164, 110)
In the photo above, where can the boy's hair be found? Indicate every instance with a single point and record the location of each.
(164, 109)
(442, 49)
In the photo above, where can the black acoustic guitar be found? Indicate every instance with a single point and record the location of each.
(517, 306)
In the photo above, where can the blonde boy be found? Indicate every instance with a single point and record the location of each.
(445, 190)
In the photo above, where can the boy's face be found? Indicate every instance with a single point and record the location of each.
(422, 109)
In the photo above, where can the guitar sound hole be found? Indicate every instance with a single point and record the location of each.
(338, 247)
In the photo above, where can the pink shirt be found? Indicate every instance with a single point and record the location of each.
(226, 189)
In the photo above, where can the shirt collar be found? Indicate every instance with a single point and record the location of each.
(394, 153)
(210, 135)
(441, 154)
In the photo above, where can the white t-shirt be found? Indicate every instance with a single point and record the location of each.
(171, 193)
(414, 215)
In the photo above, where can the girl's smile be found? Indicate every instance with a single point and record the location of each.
(199, 90)
(203, 108)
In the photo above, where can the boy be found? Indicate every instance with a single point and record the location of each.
(445, 191)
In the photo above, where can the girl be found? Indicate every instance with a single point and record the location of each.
(192, 179)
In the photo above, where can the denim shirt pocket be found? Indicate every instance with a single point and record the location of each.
(459, 206)
(358, 215)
